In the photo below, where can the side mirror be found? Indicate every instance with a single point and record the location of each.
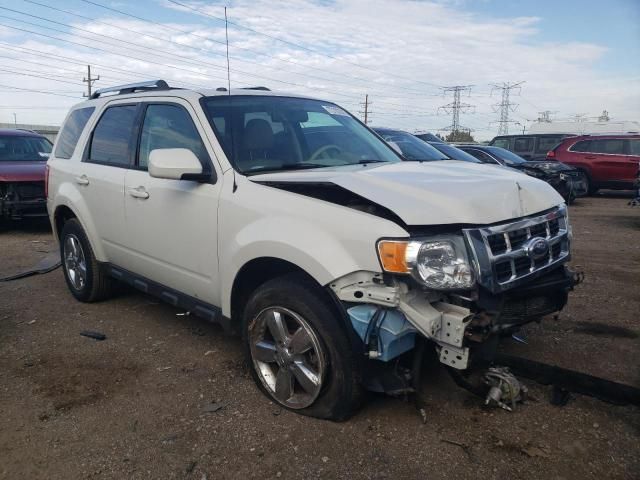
(175, 164)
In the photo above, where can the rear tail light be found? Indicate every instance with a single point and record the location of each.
(46, 181)
(551, 154)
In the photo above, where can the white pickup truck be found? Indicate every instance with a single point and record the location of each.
(287, 220)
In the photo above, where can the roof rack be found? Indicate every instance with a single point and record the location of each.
(132, 87)
(265, 89)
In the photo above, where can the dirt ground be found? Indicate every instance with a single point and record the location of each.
(132, 406)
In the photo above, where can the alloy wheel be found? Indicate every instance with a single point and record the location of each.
(287, 356)
(74, 262)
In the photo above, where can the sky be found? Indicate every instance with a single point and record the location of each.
(572, 57)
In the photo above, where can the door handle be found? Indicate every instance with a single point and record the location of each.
(82, 180)
(590, 157)
(139, 192)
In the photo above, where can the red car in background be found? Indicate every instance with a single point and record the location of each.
(609, 161)
(23, 159)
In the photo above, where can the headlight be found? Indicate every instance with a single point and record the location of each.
(440, 263)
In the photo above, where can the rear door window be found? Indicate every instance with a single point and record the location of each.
(634, 146)
(608, 146)
(480, 155)
(70, 134)
(112, 138)
(523, 144)
(169, 126)
(583, 146)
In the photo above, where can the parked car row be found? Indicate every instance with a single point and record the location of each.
(606, 161)
(567, 181)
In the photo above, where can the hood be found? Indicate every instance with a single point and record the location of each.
(436, 193)
(22, 171)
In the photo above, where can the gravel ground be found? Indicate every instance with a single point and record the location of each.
(133, 406)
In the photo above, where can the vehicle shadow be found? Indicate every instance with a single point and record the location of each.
(27, 225)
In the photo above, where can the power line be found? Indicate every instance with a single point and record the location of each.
(318, 52)
(37, 91)
(505, 106)
(456, 107)
(256, 52)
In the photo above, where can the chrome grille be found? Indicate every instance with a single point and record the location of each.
(508, 254)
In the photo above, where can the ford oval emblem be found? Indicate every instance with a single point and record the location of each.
(538, 248)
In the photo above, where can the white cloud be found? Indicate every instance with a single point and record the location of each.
(408, 48)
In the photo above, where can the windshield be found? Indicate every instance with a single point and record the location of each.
(455, 153)
(270, 133)
(506, 156)
(412, 148)
(16, 148)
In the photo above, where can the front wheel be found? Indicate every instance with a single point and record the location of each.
(298, 351)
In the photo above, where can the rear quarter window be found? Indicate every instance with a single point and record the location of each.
(501, 142)
(71, 131)
(634, 146)
(547, 143)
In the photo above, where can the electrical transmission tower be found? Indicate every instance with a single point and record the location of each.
(545, 117)
(89, 81)
(366, 112)
(604, 116)
(505, 106)
(456, 107)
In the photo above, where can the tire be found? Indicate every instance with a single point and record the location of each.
(85, 277)
(591, 190)
(305, 312)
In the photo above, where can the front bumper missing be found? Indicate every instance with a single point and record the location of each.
(454, 328)
(443, 323)
(22, 199)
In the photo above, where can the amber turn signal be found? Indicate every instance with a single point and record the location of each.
(392, 255)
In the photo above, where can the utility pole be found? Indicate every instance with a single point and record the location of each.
(456, 107)
(89, 81)
(366, 111)
(505, 106)
(15, 120)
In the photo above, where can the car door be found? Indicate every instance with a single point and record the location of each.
(609, 162)
(173, 223)
(100, 176)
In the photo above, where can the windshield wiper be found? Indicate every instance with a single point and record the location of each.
(293, 166)
(364, 162)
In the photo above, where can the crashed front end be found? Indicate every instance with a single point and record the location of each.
(460, 289)
(22, 199)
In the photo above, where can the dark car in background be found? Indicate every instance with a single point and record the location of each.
(413, 148)
(449, 150)
(530, 147)
(23, 158)
(568, 182)
(608, 161)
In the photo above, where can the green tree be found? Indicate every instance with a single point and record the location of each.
(460, 136)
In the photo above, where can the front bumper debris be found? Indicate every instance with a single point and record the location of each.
(22, 199)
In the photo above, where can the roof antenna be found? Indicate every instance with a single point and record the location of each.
(226, 34)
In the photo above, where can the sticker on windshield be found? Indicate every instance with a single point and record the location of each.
(333, 110)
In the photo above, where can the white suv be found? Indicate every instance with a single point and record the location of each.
(286, 219)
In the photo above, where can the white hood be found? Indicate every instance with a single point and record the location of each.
(436, 193)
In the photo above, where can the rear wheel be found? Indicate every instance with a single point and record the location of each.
(85, 277)
(591, 190)
(298, 351)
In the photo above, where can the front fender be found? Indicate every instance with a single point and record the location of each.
(325, 240)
